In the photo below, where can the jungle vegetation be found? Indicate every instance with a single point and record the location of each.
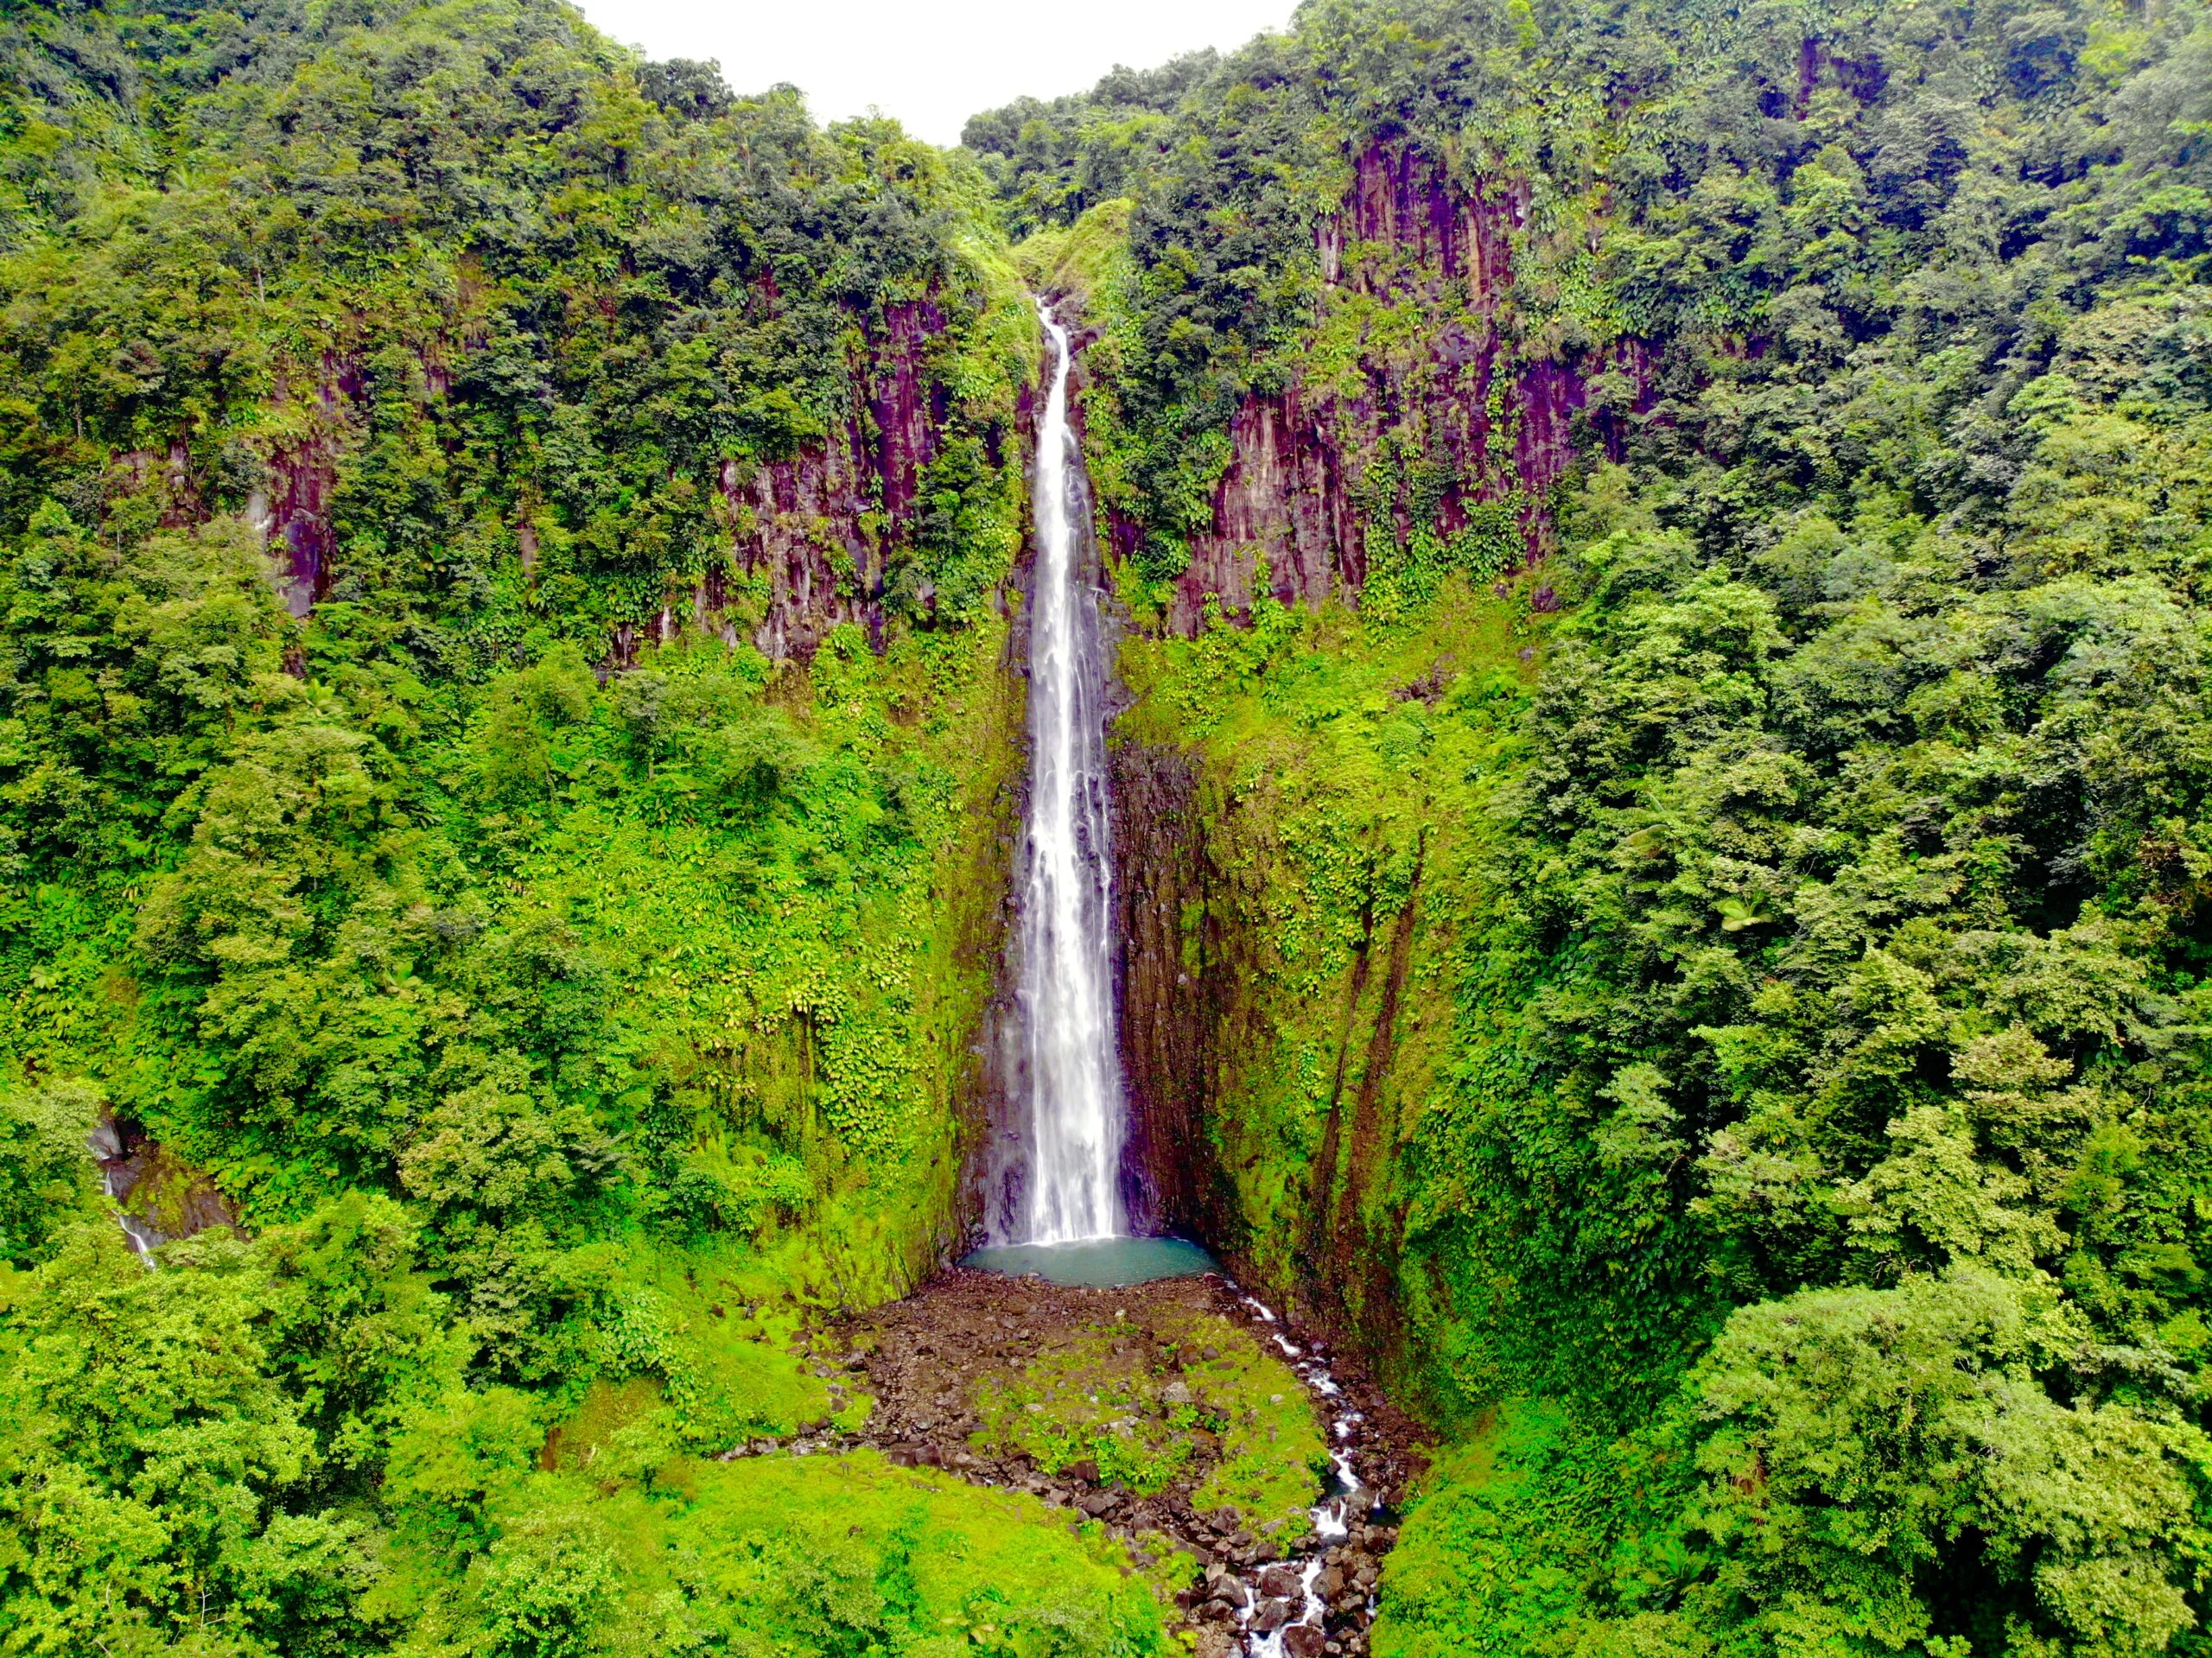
(1794, 1195)
(1795, 1191)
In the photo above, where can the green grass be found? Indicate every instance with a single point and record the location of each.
(1091, 1402)
(802, 1558)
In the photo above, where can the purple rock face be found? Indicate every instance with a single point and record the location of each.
(1296, 491)
(817, 523)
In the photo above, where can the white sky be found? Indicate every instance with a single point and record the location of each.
(932, 63)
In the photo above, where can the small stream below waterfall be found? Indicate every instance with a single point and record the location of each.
(1243, 1587)
(1286, 1609)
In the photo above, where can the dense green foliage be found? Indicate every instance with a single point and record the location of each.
(183, 1474)
(1052, 161)
(1796, 1063)
(1722, 1012)
(549, 1027)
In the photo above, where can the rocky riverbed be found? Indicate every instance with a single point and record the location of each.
(1247, 1471)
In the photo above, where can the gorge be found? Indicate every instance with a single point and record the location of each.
(1539, 745)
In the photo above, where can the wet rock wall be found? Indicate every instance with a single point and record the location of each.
(1489, 421)
(1223, 1146)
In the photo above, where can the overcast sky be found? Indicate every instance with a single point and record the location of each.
(932, 63)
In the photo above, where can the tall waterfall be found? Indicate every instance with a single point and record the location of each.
(1070, 1073)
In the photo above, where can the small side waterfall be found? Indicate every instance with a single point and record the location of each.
(1069, 1085)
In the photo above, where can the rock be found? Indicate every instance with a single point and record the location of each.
(1271, 1616)
(1086, 1471)
(1279, 1580)
(1097, 1504)
(1175, 1393)
(1329, 1583)
(1303, 1641)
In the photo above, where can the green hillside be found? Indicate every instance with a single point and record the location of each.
(1662, 830)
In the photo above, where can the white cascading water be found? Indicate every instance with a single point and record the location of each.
(1071, 1189)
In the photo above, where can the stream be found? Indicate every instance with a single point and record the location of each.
(1240, 1592)
(1287, 1607)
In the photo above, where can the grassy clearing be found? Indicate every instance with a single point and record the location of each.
(803, 1556)
(1154, 1398)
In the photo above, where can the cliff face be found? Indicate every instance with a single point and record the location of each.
(1414, 410)
(810, 534)
(1265, 1100)
(818, 525)
(1173, 998)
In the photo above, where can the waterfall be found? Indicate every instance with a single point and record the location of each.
(1070, 1078)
